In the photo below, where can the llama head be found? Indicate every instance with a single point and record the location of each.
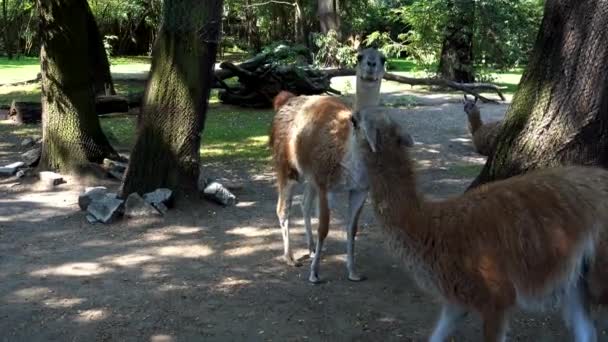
(470, 106)
(379, 131)
(370, 66)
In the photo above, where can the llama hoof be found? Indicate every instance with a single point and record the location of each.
(314, 279)
(356, 277)
(291, 262)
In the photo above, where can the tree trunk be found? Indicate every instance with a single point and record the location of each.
(329, 16)
(560, 113)
(100, 67)
(456, 60)
(253, 35)
(299, 36)
(166, 153)
(71, 132)
(8, 44)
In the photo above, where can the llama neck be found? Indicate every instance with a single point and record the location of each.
(396, 200)
(474, 121)
(368, 94)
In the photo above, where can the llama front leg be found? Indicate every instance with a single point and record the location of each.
(283, 211)
(322, 231)
(576, 314)
(308, 200)
(451, 315)
(356, 199)
(494, 326)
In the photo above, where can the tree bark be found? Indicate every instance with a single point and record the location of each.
(560, 113)
(71, 132)
(166, 153)
(456, 60)
(100, 67)
(253, 35)
(299, 36)
(6, 29)
(329, 16)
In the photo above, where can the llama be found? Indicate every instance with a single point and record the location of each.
(312, 141)
(534, 241)
(484, 134)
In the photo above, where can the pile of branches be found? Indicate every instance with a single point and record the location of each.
(262, 77)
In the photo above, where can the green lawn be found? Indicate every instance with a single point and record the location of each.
(231, 134)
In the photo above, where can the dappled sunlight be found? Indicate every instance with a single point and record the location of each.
(35, 293)
(185, 251)
(252, 232)
(248, 249)
(91, 315)
(246, 204)
(230, 284)
(127, 260)
(74, 269)
(162, 338)
(62, 303)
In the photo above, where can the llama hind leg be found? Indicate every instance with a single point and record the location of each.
(576, 314)
(322, 231)
(451, 315)
(307, 208)
(356, 199)
(283, 211)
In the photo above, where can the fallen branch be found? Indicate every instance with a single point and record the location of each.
(272, 2)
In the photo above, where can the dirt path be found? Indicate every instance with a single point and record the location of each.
(206, 273)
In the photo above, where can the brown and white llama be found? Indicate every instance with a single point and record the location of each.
(533, 241)
(484, 134)
(312, 141)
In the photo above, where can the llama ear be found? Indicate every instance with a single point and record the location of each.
(407, 140)
(476, 98)
(465, 98)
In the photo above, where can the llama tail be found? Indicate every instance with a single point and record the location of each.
(281, 98)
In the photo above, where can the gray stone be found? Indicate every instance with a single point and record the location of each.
(20, 174)
(162, 208)
(31, 157)
(136, 206)
(28, 142)
(114, 165)
(218, 193)
(106, 208)
(161, 195)
(10, 169)
(117, 174)
(91, 194)
(51, 178)
(91, 219)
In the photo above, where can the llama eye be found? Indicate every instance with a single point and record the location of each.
(359, 58)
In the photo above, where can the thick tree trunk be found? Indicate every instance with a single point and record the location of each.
(166, 153)
(100, 67)
(560, 112)
(71, 132)
(253, 35)
(456, 60)
(329, 16)
(299, 36)
(6, 29)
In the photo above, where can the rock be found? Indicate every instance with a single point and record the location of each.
(161, 207)
(10, 169)
(20, 174)
(28, 142)
(116, 174)
(218, 193)
(114, 165)
(106, 208)
(161, 195)
(136, 206)
(51, 178)
(31, 157)
(91, 194)
(91, 219)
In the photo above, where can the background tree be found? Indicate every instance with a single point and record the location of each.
(456, 58)
(166, 152)
(100, 66)
(329, 15)
(71, 132)
(560, 113)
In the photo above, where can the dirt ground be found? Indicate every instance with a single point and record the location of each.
(207, 273)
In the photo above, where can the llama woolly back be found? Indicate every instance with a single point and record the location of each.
(533, 241)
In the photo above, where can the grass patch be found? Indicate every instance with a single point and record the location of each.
(231, 134)
(123, 60)
(28, 92)
(17, 70)
(466, 170)
(22, 131)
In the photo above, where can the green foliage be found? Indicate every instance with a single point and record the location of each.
(331, 52)
(282, 53)
(386, 44)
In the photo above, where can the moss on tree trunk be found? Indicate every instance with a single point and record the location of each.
(559, 115)
(166, 153)
(71, 132)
